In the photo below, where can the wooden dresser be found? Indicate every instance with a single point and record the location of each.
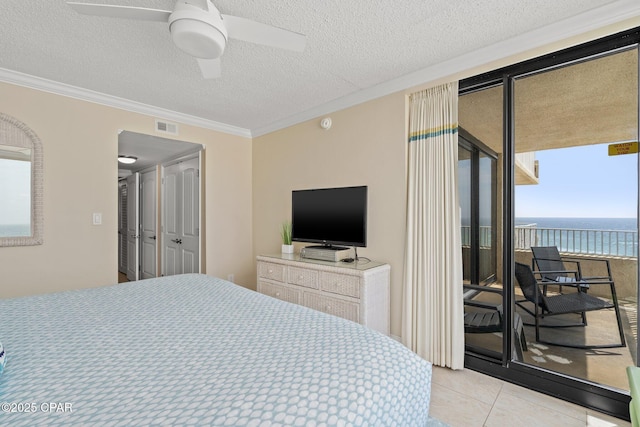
(357, 291)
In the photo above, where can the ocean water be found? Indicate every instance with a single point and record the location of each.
(625, 224)
(15, 230)
(600, 236)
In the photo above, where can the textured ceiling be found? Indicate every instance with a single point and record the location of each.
(352, 47)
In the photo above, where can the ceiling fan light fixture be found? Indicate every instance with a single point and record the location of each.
(199, 29)
(198, 38)
(127, 160)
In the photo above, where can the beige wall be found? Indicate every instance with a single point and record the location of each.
(80, 141)
(365, 146)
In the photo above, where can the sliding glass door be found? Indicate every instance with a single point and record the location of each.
(575, 128)
(563, 133)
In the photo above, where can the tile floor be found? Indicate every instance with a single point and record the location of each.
(467, 399)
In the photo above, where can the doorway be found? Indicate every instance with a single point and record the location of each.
(144, 205)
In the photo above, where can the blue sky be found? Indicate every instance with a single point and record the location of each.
(581, 182)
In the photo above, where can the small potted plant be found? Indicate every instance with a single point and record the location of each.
(285, 233)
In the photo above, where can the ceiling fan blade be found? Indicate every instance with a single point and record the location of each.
(127, 12)
(210, 68)
(256, 32)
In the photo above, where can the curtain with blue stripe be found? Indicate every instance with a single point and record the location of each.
(433, 311)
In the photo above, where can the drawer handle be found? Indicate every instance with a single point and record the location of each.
(270, 271)
(300, 277)
(277, 294)
(328, 307)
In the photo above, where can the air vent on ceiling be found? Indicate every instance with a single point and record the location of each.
(166, 127)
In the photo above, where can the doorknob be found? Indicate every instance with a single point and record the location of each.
(178, 241)
(153, 237)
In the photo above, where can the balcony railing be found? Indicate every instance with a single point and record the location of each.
(623, 243)
(485, 236)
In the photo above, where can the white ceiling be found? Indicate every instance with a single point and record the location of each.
(356, 50)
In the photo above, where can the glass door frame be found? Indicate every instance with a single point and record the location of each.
(591, 395)
(477, 149)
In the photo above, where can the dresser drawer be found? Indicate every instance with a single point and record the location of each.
(345, 309)
(360, 295)
(278, 291)
(303, 277)
(271, 271)
(340, 284)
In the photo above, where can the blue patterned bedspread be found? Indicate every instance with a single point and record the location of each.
(196, 350)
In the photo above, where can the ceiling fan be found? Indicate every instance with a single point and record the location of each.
(199, 29)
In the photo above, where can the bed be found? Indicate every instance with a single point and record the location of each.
(197, 350)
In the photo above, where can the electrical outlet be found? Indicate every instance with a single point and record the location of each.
(231, 277)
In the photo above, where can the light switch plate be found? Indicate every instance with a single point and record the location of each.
(97, 218)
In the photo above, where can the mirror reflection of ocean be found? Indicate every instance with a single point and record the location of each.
(15, 230)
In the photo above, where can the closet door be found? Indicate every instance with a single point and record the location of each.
(148, 225)
(171, 222)
(181, 219)
(133, 203)
(190, 216)
(122, 227)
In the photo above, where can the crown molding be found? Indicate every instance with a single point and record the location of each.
(45, 85)
(612, 13)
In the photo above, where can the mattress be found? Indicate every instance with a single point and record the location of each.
(197, 350)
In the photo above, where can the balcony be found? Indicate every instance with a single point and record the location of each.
(603, 366)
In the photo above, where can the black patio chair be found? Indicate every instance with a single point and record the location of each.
(573, 302)
(489, 320)
(553, 268)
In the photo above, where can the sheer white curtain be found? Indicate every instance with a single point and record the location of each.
(433, 312)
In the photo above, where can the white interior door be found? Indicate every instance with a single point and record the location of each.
(171, 232)
(181, 218)
(133, 202)
(190, 213)
(148, 224)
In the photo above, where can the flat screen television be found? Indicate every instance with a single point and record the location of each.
(330, 216)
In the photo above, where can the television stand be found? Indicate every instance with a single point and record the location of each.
(325, 252)
(359, 293)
